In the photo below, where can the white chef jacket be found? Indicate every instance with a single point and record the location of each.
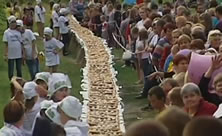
(76, 128)
(10, 130)
(52, 59)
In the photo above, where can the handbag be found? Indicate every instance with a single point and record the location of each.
(127, 55)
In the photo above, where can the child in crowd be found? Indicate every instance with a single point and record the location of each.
(52, 48)
(175, 98)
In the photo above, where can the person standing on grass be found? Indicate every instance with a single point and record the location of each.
(30, 50)
(63, 23)
(55, 19)
(40, 17)
(52, 48)
(13, 48)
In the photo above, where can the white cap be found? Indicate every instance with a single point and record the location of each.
(48, 31)
(58, 81)
(46, 104)
(29, 90)
(38, 1)
(42, 76)
(71, 107)
(11, 19)
(63, 11)
(53, 114)
(19, 23)
(55, 6)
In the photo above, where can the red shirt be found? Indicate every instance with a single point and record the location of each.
(205, 109)
(139, 1)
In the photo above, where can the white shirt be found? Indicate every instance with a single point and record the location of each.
(29, 119)
(140, 25)
(63, 28)
(27, 38)
(154, 40)
(139, 45)
(76, 128)
(55, 19)
(13, 38)
(39, 12)
(52, 59)
(10, 130)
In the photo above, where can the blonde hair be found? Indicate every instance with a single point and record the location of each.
(184, 37)
(212, 34)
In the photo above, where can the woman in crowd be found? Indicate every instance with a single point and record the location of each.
(194, 104)
(52, 48)
(14, 118)
(40, 17)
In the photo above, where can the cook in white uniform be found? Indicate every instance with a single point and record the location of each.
(40, 16)
(59, 85)
(64, 29)
(30, 50)
(52, 48)
(55, 20)
(13, 48)
(31, 99)
(13, 119)
(67, 113)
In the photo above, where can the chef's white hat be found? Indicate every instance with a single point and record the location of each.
(38, 1)
(53, 114)
(11, 19)
(19, 23)
(71, 107)
(42, 76)
(63, 11)
(48, 31)
(29, 90)
(46, 104)
(58, 81)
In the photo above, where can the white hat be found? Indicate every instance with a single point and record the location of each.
(29, 90)
(58, 81)
(63, 11)
(55, 6)
(46, 104)
(38, 1)
(53, 114)
(71, 107)
(42, 76)
(11, 19)
(48, 31)
(19, 23)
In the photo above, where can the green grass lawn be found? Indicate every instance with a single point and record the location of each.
(126, 78)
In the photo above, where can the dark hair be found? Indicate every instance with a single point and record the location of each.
(219, 9)
(198, 34)
(42, 127)
(154, 15)
(213, 4)
(29, 103)
(13, 112)
(8, 4)
(179, 57)
(158, 92)
(166, 12)
(143, 34)
(168, 18)
(57, 130)
(200, 127)
(160, 23)
(153, 6)
(208, 22)
(147, 128)
(167, 4)
(168, 26)
(197, 44)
